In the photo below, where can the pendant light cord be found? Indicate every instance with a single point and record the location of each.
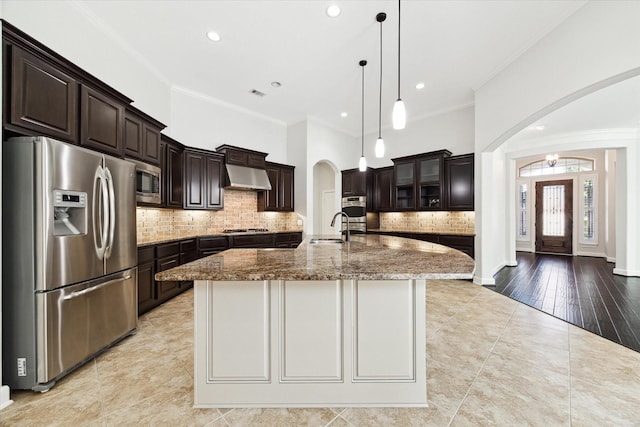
(363, 63)
(398, 49)
(380, 98)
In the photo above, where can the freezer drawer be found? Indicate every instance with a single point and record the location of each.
(76, 322)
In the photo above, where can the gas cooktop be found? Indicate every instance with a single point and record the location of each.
(245, 230)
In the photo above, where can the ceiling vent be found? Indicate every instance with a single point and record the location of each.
(257, 93)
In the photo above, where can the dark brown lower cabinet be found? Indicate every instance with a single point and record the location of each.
(288, 240)
(146, 282)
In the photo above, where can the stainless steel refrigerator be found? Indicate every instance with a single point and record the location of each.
(69, 258)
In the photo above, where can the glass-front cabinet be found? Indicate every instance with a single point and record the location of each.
(405, 190)
(430, 183)
(419, 181)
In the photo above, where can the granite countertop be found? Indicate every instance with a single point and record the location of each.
(160, 239)
(419, 231)
(365, 257)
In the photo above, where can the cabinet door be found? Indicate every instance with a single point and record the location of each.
(286, 188)
(459, 183)
(133, 146)
(194, 180)
(404, 189)
(268, 200)
(173, 175)
(430, 183)
(151, 144)
(215, 192)
(102, 121)
(384, 190)
(146, 294)
(43, 98)
(166, 290)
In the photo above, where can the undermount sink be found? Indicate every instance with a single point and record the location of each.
(326, 241)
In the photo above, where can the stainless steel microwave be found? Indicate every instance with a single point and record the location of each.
(148, 183)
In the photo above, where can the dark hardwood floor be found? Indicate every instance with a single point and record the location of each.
(581, 290)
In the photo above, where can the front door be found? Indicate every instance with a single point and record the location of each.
(554, 216)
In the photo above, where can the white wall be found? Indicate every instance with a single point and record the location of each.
(452, 130)
(595, 47)
(71, 30)
(205, 122)
(297, 155)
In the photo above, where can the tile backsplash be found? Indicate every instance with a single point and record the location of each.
(428, 222)
(240, 211)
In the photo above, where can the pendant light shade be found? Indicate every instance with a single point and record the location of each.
(379, 148)
(380, 17)
(362, 165)
(399, 115)
(399, 112)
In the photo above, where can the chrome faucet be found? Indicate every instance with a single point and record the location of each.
(333, 222)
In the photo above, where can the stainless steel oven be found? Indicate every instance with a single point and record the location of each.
(148, 183)
(356, 208)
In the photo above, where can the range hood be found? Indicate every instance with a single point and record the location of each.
(246, 178)
(246, 169)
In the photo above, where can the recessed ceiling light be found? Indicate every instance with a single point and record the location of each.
(213, 36)
(420, 85)
(276, 84)
(344, 114)
(333, 10)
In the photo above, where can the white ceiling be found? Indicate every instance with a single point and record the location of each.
(454, 47)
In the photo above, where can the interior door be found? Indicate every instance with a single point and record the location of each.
(554, 216)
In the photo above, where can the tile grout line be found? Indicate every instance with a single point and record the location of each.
(483, 364)
(338, 415)
(570, 380)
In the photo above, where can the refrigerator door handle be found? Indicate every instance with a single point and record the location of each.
(112, 213)
(100, 179)
(77, 294)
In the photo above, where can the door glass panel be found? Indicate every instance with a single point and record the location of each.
(404, 174)
(553, 210)
(430, 170)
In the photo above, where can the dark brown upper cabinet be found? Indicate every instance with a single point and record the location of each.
(354, 183)
(102, 122)
(419, 181)
(459, 182)
(142, 136)
(172, 172)
(43, 99)
(383, 189)
(242, 156)
(202, 180)
(281, 196)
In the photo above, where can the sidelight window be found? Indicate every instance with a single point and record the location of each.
(589, 232)
(523, 220)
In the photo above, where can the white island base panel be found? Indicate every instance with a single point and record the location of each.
(335, 343)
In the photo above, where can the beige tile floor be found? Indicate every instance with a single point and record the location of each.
(491, 361)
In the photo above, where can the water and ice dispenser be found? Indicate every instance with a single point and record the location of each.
(69, 213)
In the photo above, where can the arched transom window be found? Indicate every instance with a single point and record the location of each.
(562, 165)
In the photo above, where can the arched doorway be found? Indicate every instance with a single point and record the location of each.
(326, 196)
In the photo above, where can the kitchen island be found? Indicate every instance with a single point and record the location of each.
(320, 325)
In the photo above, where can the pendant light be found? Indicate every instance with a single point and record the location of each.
(362, 165)
(380, 17)
(399, 112)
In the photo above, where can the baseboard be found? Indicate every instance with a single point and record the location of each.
(610, 259)
(627, 273)
(5, 397)
(591, 254)
(484, 281)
